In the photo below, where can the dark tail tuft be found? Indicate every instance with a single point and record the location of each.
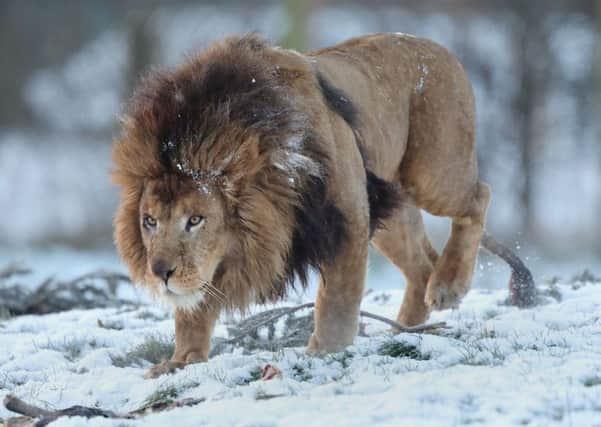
(384, 197)
(522, 290)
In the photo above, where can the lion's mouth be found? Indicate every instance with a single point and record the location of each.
(172, 290)
(179, 299)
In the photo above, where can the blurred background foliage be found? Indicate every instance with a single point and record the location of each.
(69, 65)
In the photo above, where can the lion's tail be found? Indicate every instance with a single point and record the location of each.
(522, 290)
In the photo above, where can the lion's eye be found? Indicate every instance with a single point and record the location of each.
(149, 222)
(194, 220)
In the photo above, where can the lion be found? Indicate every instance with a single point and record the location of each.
(251, 165)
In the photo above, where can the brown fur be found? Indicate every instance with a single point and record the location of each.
(283, 148)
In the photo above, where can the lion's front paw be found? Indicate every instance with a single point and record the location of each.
(313, 346)
(166, 367)
(169, 366)
(442, 295)
(318, 347)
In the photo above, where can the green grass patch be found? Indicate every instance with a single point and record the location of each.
(344, 358)
(163, 396)
(255, 374)
(402, 350)
(592, 381)
(301, 373)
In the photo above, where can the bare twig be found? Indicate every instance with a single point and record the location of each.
(165, 406)
(268, 321)
(400, 328)
(264, 396)
(13, 270)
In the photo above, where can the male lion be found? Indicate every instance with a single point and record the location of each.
(251, 164)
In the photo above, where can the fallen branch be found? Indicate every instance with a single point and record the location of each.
(93, 290)
(281, 313)
(34, 416)
(39, 417)
(13, 403)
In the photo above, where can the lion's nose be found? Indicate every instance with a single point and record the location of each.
(163, 270)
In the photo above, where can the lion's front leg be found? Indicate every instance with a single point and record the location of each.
(193, 330)
(339, 298)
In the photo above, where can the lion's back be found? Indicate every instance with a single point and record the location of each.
(395, 79)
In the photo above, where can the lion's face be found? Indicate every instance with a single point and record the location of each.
(184, 234)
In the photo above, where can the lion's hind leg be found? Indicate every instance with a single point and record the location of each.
(453, 272)
(403, 240)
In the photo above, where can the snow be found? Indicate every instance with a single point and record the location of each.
(496, 366)
(423, 73)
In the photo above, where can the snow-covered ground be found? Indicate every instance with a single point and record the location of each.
(495, 366)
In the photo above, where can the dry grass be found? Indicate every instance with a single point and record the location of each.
(154, 349)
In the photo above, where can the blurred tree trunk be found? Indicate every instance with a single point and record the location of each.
(532, 53)
(142, 47)
(298, 12)
(597, 85)
(597, 64)
(37, 35)
(525, 104)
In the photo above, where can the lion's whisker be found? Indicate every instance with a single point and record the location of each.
(213, 291)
